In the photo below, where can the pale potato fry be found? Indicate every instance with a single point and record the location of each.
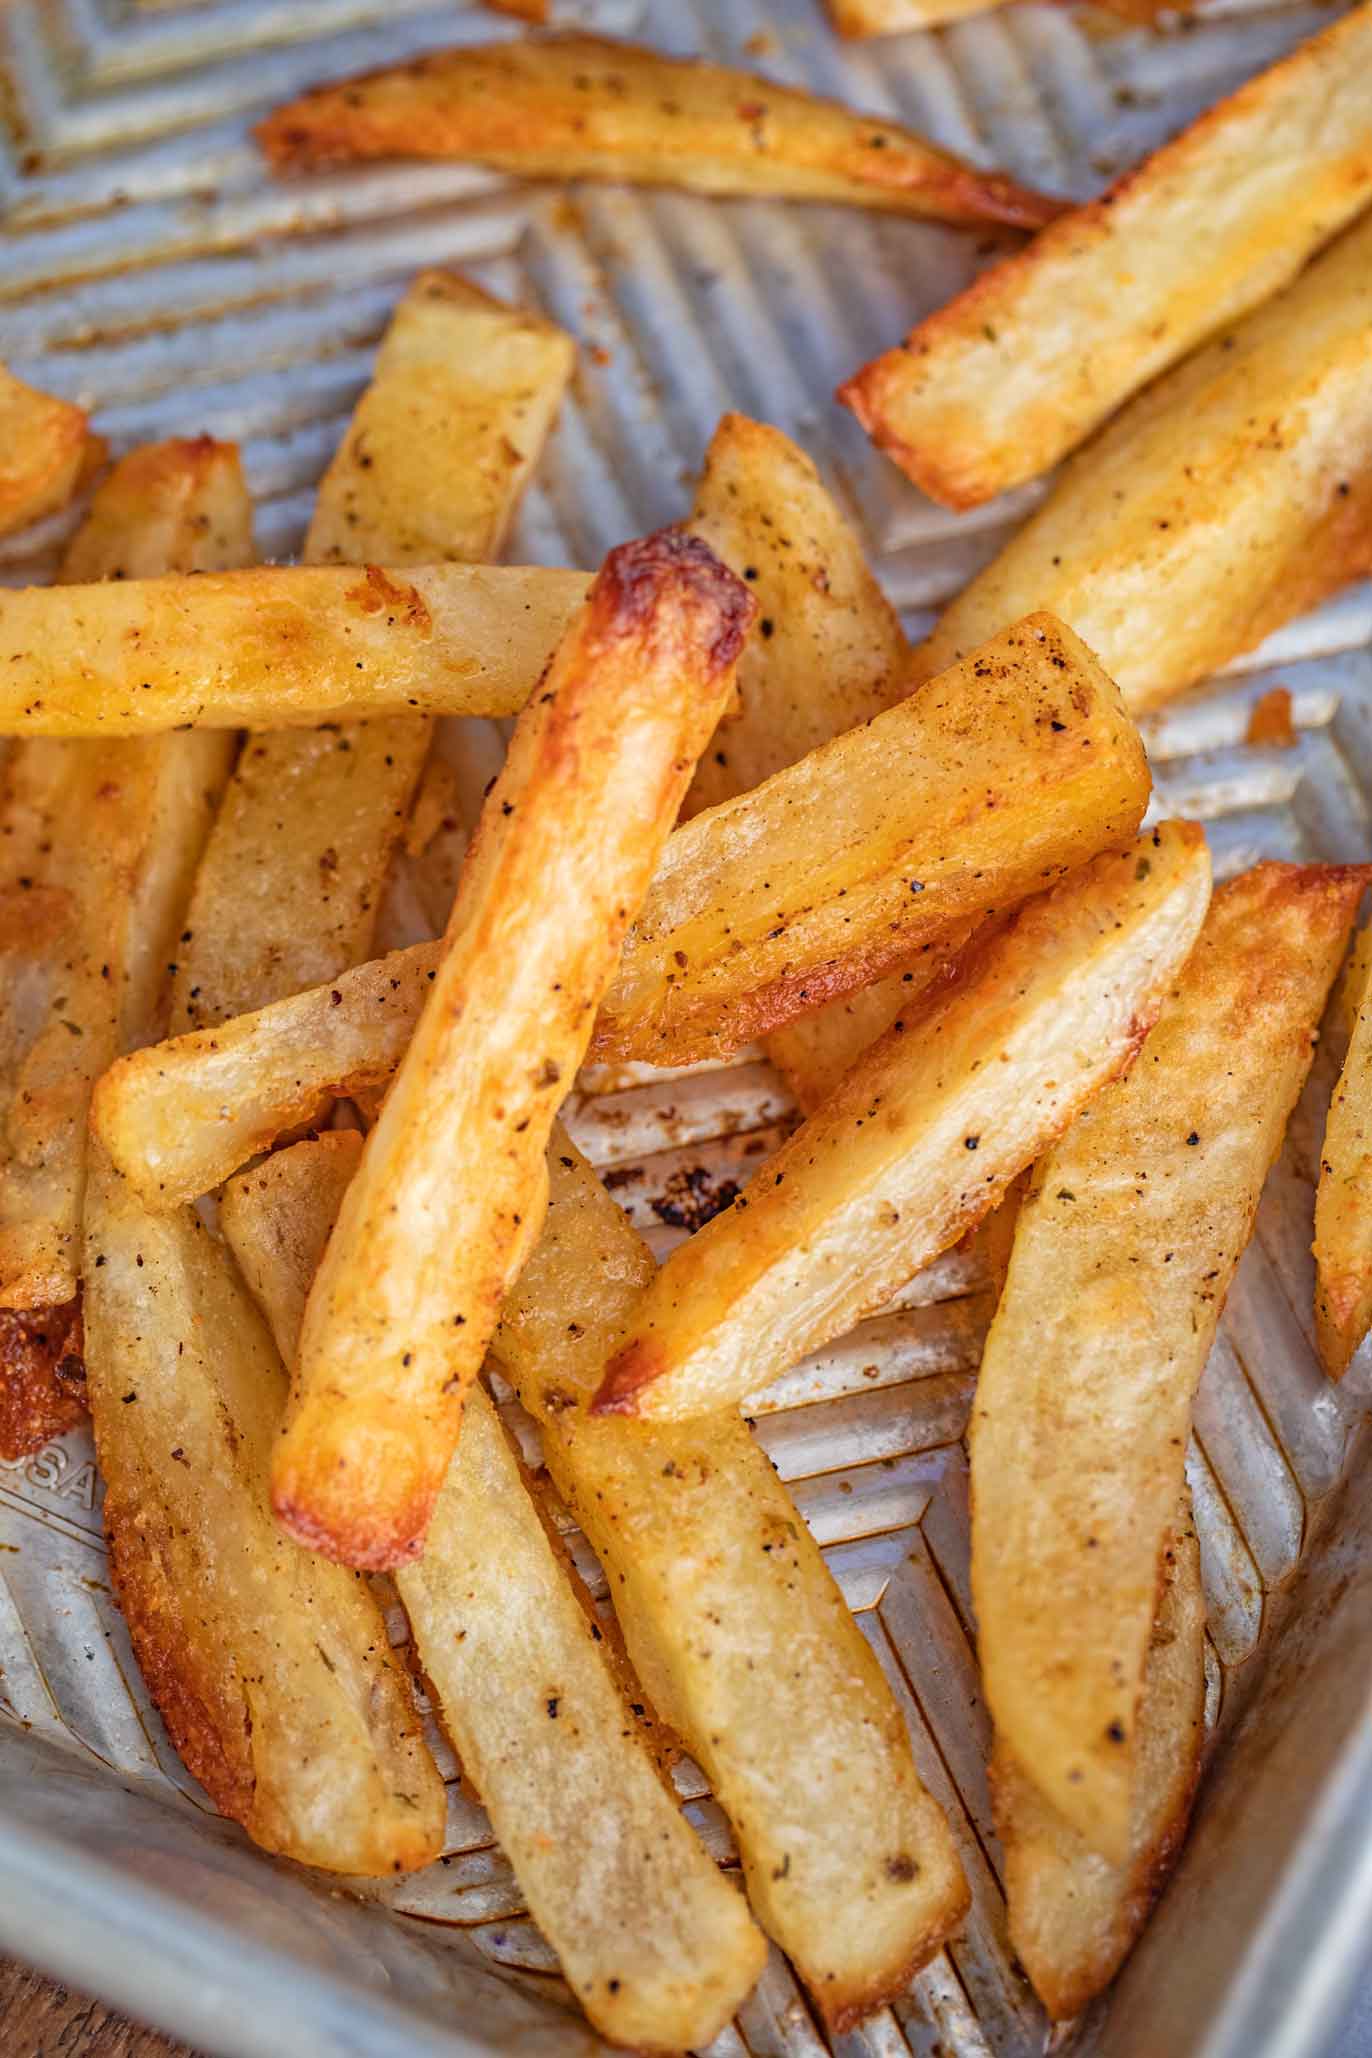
(1019, 764)
(655, 1943)
(436, 457)
(923, 1136)
(100, 840)
(830, 652)
(271, 1668)
(830, 655)
(1343, 1198)
(1073, 1916)
(1232, 495)
(583, 107)
(857, 19)
(1122, 1259)
(179, 1118)
(1038, 352)
(849, 1862)
(47, 452)
(905, 799)
(286, 645)
(452, 1188)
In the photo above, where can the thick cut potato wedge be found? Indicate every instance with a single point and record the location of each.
(1232, 495)
(830, 655)
(1019, 764)
(452, 1187)
(1343, 1199)
(288, 646)
(99, 842)
(1038, 352)
(1124, 1252)
(271, 1668)
(1074, 1917)
(47, 452)
(923, 1136)
(583, 107)
(654, 1941)
(857, 19)
(179, 1118)
(849, 1862)
(830, 652)
(432, 467)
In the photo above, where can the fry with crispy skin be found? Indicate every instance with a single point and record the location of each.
(1017, 765)
(1073, 1915)
(289, 645)
(431, 468)
(99, 840)
(583, 107)
(452, 1188)
(1123, 1255)
(923, 1136)
(1232, 495)
(271, 1668)
(1038, 352)
(1343, 1198)
(656, 1945)
(47, 452)
(857, 19)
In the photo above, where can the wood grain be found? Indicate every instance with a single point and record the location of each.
(39, 2019)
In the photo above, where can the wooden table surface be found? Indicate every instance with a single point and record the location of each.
(39, 2019)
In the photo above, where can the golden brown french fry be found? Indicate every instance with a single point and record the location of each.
(1073, 1916)
(452, 1188)
(1038, 352)
(923, 1136)
(100, 840)
(1017, 765)
(857, 19)
(47, 452)
(583, 107)
(830, 652)
(1232, 495)
(1343, 1198)
(42, 1376)
(848, 830)
(1122, 1259)
(654, 1942)
(849, 1862)
(431, 469)
(288, 646)
(179, 1118)
(271, 1668)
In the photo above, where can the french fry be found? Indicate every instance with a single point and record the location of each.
(830, 652)
(1019, 764)
(271, 1668)
(99, 840)
(653, 1940)
(855, 822)
(924, 1135)
(1122, 1259)
(1343, 1197)
(1073, 1916)
(47, 452)
(438, 452)
(452, 1189)
(583, 107)
(857, 19)
(285, 645)
(1232, 495)
(831, 655)
(849, 1862)
(1038, 352)
(42, 1376)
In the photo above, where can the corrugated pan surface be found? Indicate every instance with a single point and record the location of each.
(149, 269)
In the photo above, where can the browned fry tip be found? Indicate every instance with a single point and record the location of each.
(42, 1376)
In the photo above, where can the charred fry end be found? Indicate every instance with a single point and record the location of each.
(628, 596)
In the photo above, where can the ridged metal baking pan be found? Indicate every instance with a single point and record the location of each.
(149, 269)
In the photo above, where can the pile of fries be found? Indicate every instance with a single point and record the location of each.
(296, 1025)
